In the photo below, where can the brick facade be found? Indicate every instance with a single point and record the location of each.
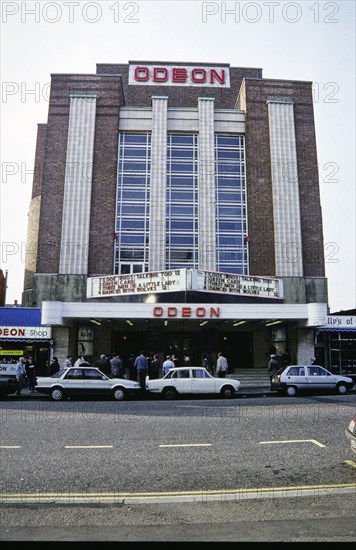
(249, 92)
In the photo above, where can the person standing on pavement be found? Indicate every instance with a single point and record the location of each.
(68, 362)
(167, 365)
(131, 367)
(31, 375)
(20, 375)
(117, 367)
(222, 366)
(205, 362)
(141, 365)
(80, 359)
(272, 367)
(154, 367)
(102, 365)
(54, 367)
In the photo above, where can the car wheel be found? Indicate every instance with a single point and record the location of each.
(169, 393)
(341, 389)
(118, 394)
(227, 392)
(57, 394)
(291, 391)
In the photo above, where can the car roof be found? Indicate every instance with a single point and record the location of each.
(306, 365)
(82, 365)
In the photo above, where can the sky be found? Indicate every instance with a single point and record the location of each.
(311, 41)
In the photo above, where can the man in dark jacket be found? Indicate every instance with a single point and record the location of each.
(272, 367)
(102, 364)
(141, 365)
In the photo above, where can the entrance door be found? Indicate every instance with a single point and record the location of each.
(183, 344)
(238, 349)
(127, 343)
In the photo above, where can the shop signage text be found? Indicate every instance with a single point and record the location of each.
(242, 285)
(182, 280)
(183, 312)
(23, 333)
(8, 368)
(136, 283)
(342, 321)
(181, 75)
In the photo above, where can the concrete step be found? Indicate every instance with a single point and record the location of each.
(251, 378)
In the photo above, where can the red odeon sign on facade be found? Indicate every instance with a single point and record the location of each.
(184, 311)
(181, 75)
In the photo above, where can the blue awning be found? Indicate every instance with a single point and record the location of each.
(336, 329)
(20, 317)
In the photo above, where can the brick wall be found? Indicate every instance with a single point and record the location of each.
(253, 98)
(104, 176)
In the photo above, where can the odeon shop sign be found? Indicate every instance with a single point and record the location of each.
(23, 333)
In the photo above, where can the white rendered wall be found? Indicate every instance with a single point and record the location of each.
(157, 232)
(285, 190)
(77, 186)
(206, 186)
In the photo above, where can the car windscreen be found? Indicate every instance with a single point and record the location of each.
(59, 373)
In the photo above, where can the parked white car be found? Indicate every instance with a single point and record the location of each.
(192, 380)
(86, 381)
(295, 378)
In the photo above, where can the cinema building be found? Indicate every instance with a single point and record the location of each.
(176, 208)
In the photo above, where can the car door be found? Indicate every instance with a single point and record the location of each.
(319, 378)
(296, 376)
(73, 381)
(181, 380)
(202, 382)
(94, 383)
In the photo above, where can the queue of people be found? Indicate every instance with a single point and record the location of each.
(25, 374)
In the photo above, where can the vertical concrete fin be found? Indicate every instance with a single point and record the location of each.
(77, 185)
(206, 186)
(285, 189)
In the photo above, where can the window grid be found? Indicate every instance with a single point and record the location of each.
(182, 201)
(133, 195)
(231, 214)
(132, 204)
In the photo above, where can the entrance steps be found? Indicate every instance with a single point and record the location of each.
(251, 378)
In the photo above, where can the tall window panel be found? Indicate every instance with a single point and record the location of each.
(182, 202)
(132, 205)
(231, 209)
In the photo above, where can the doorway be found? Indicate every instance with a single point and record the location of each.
(183, 344)
(237, 348)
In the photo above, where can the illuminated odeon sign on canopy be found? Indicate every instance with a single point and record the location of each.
(179, 75)
(177, 280)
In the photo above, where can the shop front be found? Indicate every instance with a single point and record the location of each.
(338, 338)
(22, 333)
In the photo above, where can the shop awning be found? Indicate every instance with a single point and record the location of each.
(20, 316)
(336, 329)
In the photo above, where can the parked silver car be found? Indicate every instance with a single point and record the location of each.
(86, 381)
(295, 378)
